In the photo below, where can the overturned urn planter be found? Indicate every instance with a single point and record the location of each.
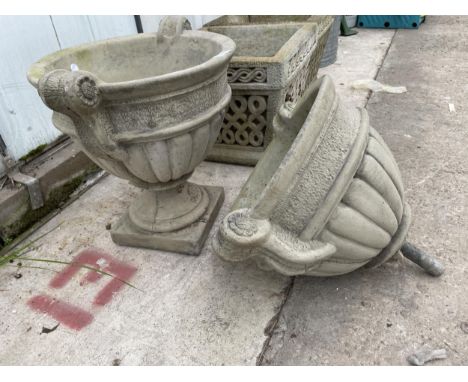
(325, 199)
(147, 108)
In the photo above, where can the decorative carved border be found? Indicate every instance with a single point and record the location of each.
(245, 75)
(298, 85)
(303, 54)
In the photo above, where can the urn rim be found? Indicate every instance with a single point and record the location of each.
(305, 119)
(158, 83)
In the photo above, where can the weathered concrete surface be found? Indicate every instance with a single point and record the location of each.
(359, 57)
(381, 316)
(194, 310)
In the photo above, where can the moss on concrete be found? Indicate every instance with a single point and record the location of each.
(33, 153)
(56, 197)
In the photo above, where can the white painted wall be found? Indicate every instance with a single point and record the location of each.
(151, 22)
(25, 122)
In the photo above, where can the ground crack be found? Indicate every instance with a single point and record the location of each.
(273, 323)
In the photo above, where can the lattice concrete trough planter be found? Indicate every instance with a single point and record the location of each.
(271, 65)
(147, 108)
(325, 199)
(324, 24)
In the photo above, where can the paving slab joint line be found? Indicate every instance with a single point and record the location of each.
(369, 94)
(272, 324)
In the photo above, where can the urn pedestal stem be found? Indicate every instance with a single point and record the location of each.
(178, 219)
(169, 209)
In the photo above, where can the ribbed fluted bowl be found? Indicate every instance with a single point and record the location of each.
(325, 199)
(170, 158)
(145, 108)
(369, 215)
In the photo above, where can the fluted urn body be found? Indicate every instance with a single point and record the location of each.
(326, 198)
(147, 108)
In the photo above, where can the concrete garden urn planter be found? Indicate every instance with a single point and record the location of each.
(325, 199)
(271, 65)
(147, 108)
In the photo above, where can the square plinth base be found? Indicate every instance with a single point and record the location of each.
(188, 240)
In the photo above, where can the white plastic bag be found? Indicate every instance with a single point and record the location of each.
(376, 86)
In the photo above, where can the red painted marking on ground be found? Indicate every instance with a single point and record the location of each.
(91, 277)
(103, 261)
(67, 314)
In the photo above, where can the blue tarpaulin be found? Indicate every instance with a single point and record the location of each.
(390, 22)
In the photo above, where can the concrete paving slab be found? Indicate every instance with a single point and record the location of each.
(359, 58)
(381, 316)
(191, 310)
